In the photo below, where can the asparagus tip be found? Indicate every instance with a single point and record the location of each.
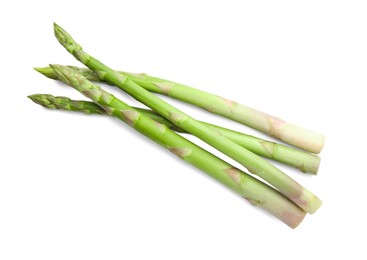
(34, 97)
(31, 97)
(64, 38)
(46, 71)
(57, 28)
(42, 99)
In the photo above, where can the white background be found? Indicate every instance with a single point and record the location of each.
(88, 187)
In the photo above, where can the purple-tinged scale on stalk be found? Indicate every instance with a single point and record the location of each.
(106, 98)
(164, 87)
(275, 126)
(94, 94)
(217, 131)
(101, 74)
(82, 56)
(121, 78)
(181, 152)
(229, 103)
(137, 75)
(209, 108)
(177, 118)
(130, 116)
(235, 174)
(161, 127)
(109, 110)
(269, 147)
(254, 170)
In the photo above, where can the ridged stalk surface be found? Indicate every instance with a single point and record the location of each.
(301, 160)
(268, 124)
(250, 188)
(255, 164)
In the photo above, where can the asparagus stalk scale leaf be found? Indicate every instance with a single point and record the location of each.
(256, 165)
(304, 161)
(273, 126)
(268, 124)
(252, 189)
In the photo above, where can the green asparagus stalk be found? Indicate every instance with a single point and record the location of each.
(255, 164)
(65, 103)
(289, 133)
(87, 107)
(304, 161)
(255, 191)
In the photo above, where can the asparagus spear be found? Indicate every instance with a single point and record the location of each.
(289, 133)
(304, 161)
(87, 107)
(252, 189)
(256, 165)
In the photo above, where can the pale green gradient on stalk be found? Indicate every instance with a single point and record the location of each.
(255, 191)
(301, 160)
(273, 126)
(255, 164)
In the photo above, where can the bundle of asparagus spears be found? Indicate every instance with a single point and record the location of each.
(278, 193)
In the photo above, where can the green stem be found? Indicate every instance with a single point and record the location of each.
(273, 126)
(255, 191)
(255, 164)
(301, 160)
